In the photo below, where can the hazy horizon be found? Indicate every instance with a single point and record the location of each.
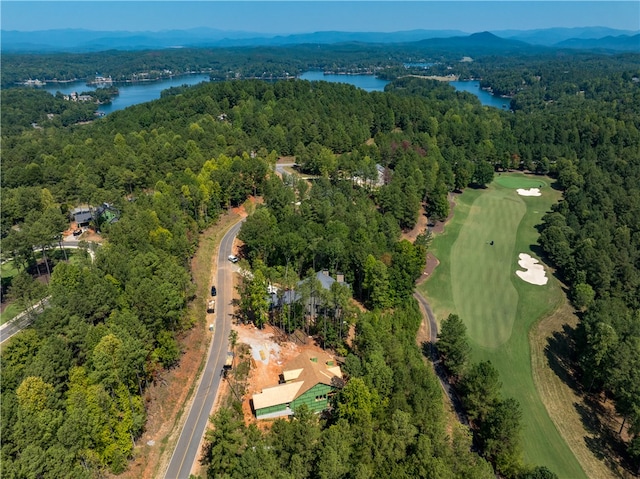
(293, 17)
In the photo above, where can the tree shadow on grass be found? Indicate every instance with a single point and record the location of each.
(602, 439)
(559, 350)
(429, 350)
(603, 442)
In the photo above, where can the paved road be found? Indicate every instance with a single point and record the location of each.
(24, 319)
(280, 167)
(21, 321)
(437, 364)
(187, 449)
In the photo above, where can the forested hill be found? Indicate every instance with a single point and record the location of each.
(73, 386)
(76, 40)
(264, 62)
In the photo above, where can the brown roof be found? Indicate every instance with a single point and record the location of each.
(311, 367)
(301, 374)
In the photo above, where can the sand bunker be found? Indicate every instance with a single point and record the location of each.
(534, 273)
(529, 192)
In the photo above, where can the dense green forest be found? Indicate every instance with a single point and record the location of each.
(73, 385)
(388, 419)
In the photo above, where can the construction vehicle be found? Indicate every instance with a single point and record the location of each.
(229, 361)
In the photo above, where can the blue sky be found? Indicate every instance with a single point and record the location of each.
(309, 16)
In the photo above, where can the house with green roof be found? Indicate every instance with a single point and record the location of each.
(311, 378)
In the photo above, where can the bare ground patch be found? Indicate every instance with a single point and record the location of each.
(436, 228)
(420, 227)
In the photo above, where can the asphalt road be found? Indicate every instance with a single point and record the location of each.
(187, 449)
(21, 321)
(281, 166)
(24, 319)
(437, 363)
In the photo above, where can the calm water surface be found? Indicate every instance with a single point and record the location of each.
(371, 83)
(485, 97)
(130, 93)
(134, 93)
(366, 82)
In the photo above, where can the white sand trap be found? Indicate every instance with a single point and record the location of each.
(529, 192)
(534, 273)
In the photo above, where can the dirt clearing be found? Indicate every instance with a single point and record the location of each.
(270, 352)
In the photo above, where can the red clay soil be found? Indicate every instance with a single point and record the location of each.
(166, 397)
(270, 351)
(164, 400)
(437, 228)
(420, 227)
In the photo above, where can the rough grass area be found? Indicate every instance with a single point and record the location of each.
(520, 180)
(478, 282)
(557, 388)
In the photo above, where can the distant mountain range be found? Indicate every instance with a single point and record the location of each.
(73, 40)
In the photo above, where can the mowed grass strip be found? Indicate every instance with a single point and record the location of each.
(519, 180)
(481, 268)
(543, 445)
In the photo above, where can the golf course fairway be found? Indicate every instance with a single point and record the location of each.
(476, 279)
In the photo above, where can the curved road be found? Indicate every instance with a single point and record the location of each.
(281, 166)
(24, 319)
(187, 449)
(437, 364)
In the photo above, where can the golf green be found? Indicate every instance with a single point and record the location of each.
(476, 280)
(518, 180)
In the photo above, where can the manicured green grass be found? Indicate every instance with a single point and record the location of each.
(481, 272)
(10, 312)
(478, 282)
(7, 272)
(8, 269)
(519, 180)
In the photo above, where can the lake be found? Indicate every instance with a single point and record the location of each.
(366, 82)
(141, 92)
(130, 93)
(371, 83)
(486, 98)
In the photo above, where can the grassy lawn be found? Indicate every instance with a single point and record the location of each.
(478, 282)
(9, 313)
(564, 405)
(8, 270)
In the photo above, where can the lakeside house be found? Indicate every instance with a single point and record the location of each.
(35, 82)
(73, 96)
(311, 378)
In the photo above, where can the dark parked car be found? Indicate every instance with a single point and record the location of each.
(214, 291)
